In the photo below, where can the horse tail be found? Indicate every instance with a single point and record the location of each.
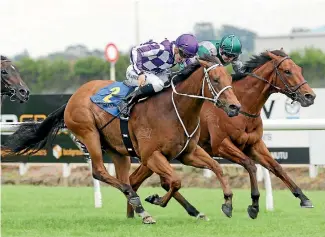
(32, 136)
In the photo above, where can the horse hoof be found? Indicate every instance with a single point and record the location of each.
(306, 204)
(252, 211)
(201, 216)
(153, 199)
(227, 209)
(148, 220)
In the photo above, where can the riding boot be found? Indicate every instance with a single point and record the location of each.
(142, 92)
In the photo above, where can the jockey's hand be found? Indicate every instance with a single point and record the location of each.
(142, 80)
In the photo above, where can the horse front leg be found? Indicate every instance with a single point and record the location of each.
(159, 164)
(261, 154)
(201, 159)
(229, 151)
(141, 174)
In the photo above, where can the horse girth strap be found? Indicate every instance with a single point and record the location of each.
(126, 137)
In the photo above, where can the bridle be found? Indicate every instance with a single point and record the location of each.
(206, 79)
(215, 100)
(290, 91)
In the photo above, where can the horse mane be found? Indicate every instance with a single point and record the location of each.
(256, 61)
(189, 69)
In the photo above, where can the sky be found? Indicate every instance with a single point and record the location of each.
(46, 26)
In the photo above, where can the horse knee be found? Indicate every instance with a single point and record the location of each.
(250, 165)
(164, 184)
(97, 175)
(219, 171)
(176, 184)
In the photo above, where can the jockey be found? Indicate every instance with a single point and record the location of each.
(151, 63)
(227, 50)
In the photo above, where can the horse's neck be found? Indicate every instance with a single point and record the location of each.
(190, 108)
(253, 92)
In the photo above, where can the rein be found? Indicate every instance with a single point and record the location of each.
(215, 100)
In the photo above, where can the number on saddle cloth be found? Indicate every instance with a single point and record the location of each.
(109, 97)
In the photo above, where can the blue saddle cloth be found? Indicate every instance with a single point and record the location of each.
(110, 96)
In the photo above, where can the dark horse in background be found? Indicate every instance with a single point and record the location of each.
(11, 83)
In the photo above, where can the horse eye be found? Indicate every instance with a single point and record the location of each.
(216, 80)
(287, 72)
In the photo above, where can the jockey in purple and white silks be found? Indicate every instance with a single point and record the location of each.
(151, 63)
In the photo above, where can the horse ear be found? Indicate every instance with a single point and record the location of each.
(282, 50)
(271, 55)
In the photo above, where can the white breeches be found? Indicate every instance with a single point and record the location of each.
(157, 80)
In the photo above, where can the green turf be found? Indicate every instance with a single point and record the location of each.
(60, 211)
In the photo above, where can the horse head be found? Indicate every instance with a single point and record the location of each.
(11, 83)
(217, 85)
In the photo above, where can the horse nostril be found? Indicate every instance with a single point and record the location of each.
(309, 97)
(23, 92)
(234, 108)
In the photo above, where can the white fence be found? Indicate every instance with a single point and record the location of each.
(269, 125)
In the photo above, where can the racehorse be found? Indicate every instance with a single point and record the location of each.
(161, 128)
(239, 139)
(11, 83)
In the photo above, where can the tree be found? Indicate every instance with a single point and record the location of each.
(312, 61)
(121, 66)
(90, 68)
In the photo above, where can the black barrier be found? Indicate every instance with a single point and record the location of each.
(65, 151)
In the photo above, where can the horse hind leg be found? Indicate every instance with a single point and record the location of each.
(136, 179)
(91, 139)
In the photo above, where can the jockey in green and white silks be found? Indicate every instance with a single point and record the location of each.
(227, 50)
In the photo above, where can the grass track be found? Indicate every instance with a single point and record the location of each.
(60, 211)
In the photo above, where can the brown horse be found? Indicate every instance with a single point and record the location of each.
(158, 134)
(11, 83)
(239, 139)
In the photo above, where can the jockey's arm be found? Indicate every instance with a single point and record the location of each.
(141, 51)
(187, 62)
(238, 66)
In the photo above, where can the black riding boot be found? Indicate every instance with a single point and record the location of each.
(142, 92)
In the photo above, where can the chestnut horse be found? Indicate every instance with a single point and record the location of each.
(239, 139)
(161, 128)
(11, 83)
